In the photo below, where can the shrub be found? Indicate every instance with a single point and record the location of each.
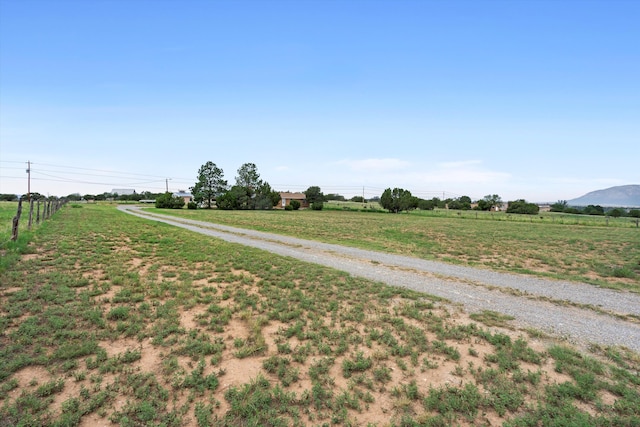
(295, 205)
(317, 206)
(521, 206)
(192, 205)
(168, 201)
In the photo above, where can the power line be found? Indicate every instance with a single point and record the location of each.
(63, 179)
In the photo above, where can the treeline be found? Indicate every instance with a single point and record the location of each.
(398, 200)
(563, 206)
(76, 197)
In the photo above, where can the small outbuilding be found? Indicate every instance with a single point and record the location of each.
(287, 197)
(188, 197)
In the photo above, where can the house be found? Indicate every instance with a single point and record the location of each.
(188, 197)
(287, 197)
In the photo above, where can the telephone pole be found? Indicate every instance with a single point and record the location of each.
(167, 183)
(28, 180)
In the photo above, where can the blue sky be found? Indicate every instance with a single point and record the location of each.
(527, 99)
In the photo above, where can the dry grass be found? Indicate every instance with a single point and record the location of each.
(135, 322)
(597, 254)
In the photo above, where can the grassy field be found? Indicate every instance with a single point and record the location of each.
(111, 318)
(601, 255)
(10, 251)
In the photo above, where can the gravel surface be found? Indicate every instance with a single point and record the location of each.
(581, 313)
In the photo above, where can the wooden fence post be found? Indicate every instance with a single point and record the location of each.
(38, 214)
(30, 213)
(16, 222)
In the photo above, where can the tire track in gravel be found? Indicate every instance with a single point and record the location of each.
(475, 289)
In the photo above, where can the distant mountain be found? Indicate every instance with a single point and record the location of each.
(621, 196)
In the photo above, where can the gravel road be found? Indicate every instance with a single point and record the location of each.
(581, 313)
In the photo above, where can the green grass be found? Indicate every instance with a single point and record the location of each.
(553, 246)
(10, 251)
(93, 326)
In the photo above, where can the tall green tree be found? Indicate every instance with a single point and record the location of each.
(211, 184)
(489, 202)
(249, 178)
(397, 200)
(315, 197)
(314, 194)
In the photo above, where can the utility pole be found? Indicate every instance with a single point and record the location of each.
(28, 180)
(167, 183)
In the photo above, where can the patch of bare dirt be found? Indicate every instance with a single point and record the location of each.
(8, 291)
(189, 318)
(108, 295)
(28, 378)
(95, 420)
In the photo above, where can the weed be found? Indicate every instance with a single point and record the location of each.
(447, 400)
(492, 318)
(359, 363)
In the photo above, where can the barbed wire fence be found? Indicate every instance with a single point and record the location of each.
(49, 207)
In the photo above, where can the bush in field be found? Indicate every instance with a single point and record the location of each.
(559, 206)
(295, 205)
(317, 206)
(427, 205)
(521, 206)
(192, 205)
(168, 201)
(617, 212)
(593, 210)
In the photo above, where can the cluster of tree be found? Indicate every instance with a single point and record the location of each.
(135, 197)
(249, 191)
(336, 197)
(14, 197)
(399, 199)
(563, 206)
(521, 206)
(169, 201)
